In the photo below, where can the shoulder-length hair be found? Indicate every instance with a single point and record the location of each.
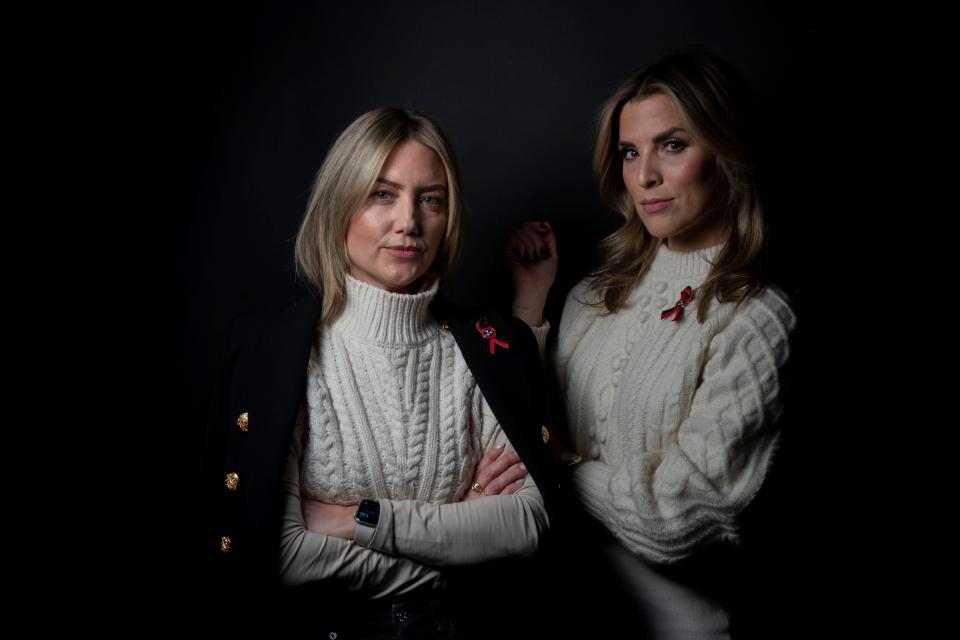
(343, 184)
(714, 102)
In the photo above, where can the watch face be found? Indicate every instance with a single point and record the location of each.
(368, 512)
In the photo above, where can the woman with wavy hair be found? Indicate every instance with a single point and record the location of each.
(669, 354)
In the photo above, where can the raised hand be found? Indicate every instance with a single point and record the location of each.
(531, 252)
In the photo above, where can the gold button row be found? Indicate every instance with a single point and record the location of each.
(232, 480)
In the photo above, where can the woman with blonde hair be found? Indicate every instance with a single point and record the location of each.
(669, 355)
(371, 434)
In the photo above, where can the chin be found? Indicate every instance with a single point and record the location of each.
(666, 230)
(659, 233)
(402, 284)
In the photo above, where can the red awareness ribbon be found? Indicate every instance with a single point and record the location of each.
(487, 332)
(676, 311)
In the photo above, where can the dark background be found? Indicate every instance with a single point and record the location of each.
(248, 100)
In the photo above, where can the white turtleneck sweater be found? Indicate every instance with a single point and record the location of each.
(393, 413)
(676, 419)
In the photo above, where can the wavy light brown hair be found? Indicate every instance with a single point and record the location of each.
(714, 102)
(343, 184)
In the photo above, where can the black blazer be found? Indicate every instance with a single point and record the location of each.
(256, 404)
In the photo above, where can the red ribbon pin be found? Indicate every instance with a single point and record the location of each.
(676, 311)
(487, 332)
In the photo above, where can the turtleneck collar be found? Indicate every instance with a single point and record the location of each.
(376, 315)
(684, 264)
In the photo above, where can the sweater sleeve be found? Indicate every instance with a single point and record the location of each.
(662, 504)
(308, 557)
(465, 532)
(541, 333)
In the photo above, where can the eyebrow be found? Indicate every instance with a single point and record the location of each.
(660, 137)
(429, 187)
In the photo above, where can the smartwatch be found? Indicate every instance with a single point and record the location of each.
(367, 518)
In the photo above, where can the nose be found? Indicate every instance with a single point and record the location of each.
(648, 171)
(407, 220)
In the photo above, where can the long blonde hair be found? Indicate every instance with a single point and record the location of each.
(343, 184)
(714, 102)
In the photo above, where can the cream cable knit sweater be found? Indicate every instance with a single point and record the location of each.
(393, 413)
(676, 418)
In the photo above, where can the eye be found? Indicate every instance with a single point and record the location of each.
(381, 196)
(628, 153)
(433, 202)
(674, 145)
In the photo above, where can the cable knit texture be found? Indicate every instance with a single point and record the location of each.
(393, 411)
(676, 417)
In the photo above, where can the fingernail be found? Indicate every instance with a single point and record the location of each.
(523, 466)
(520, 481)
(501, 445)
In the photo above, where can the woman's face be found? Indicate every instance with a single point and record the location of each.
(394, 237)
(669, 174)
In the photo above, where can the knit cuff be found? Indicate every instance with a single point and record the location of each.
(591, 481)
(540, 333)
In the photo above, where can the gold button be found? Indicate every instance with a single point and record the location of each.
(445, 325)
(232, 480)
(243, 421)
(225, 544)
(545, 434)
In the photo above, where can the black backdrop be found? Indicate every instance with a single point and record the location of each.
(249, 100)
